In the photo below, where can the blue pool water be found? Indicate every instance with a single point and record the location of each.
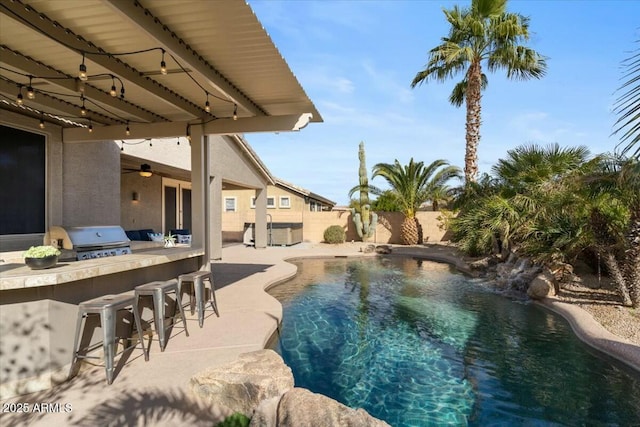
(417, 344)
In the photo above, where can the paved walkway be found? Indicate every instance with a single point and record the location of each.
(157, 392)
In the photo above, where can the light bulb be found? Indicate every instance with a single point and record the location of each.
(128, 131)
(82, 73)
(83, 110)
(235, 112)
(113, 92)
(41, 124)
(30, 93)
(20, 98)
(163, 68)
(90, 128)
(207, 107)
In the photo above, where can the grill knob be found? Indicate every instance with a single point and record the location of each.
(98, 234)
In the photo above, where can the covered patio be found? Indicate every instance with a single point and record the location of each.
(78, 78)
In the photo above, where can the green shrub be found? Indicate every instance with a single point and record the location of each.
(235, 420)
(334, 234)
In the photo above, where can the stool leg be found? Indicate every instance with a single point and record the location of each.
(74, 356)
(198, 285)
(109, 336)
(158, 314)
(214, 302)
(136, 317)
(181, 308)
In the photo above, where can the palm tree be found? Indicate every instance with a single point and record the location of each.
(628, 107)
(484, 33)
(412, 185)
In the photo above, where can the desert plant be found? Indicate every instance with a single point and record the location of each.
(365, 220)
(334, 234)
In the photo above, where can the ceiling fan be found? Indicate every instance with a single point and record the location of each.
(144, 170)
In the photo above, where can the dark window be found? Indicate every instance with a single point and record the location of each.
(170, 199)
(22, 181)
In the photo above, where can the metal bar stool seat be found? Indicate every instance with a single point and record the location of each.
(107, 307)
(158, 290)
(199, 280)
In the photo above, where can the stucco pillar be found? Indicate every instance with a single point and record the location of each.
(261, 219)
(216, 213)
(200, 192)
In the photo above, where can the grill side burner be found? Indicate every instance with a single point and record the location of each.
(80, 243)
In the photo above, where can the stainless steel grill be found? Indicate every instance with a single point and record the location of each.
(79, 243)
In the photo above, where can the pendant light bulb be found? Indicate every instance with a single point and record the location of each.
(82, 71)
(128, 131)
(113, 92)
(90, 126)
(31, 94)
(235, 111)
(163, 65)
(41, 124)
(20, 98)
(207, 107)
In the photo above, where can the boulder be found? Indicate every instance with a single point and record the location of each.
(383, 249)
(242, 384)
(541, 286)
(300, 407)
(369, 249)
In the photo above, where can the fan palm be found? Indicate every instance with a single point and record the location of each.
(412, 185)
(628, 107)
(484, 33)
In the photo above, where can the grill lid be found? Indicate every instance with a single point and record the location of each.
(77, 238)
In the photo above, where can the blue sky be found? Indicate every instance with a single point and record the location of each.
(356, 60)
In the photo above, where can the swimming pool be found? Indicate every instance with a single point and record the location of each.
(417, 344)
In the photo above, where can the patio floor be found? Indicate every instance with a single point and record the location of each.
(157, 392)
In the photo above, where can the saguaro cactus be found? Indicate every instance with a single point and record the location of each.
(365, 221)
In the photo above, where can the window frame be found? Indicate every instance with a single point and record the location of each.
(235, 203)
(281, 198)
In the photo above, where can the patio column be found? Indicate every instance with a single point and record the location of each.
(200, 203)
(261, 218)
(216, 213)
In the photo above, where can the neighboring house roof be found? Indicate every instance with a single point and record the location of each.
(303, 192)
(213, 51)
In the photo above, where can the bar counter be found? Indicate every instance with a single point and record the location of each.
(14, 275)
(38, 308)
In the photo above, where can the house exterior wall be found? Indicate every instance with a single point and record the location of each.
(91, 183)
(145, 213)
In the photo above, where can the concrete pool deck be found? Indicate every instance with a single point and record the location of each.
(157, 392)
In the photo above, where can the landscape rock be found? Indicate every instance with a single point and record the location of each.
(369, 249)
(383, 249)
(541, 286)
(242, 384)
(300, 407)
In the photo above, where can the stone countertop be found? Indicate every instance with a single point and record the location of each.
(16, 275)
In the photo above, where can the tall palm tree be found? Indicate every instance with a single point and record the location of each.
(412, 185)
(482, 34)
(628, 107)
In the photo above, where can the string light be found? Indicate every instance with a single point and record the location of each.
(122, 146)
(90, 126)
(83, 110)
(207, 105)
(20, 98)
(41, 123)
(163, 65)
(82, 71)
(235, 111)
(113, 92)
(128, 131)
(31, 94)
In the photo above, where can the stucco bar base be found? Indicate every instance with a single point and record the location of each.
(38, 310)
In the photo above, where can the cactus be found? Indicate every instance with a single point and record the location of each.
(365, 221)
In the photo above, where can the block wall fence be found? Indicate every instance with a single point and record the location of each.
(314, 224)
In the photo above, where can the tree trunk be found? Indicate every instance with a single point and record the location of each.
(617, 276)
(473, 97)
(632, 260)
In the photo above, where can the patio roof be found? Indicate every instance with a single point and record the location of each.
(215, 51)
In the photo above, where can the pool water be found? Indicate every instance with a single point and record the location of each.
(417, 344)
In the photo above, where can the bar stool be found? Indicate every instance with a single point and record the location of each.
(107, 307)
(197, 279)
(159, 290)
